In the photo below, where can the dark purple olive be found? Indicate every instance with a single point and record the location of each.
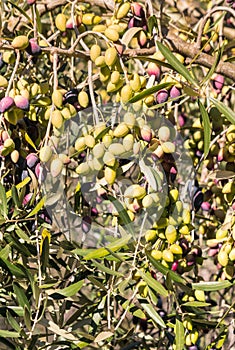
(71, 96)
(2, 63)
(162, 96)
(197, 199)
(33, 49)
(6, 103)
(143, 324)
(173, 173)
(86, 224)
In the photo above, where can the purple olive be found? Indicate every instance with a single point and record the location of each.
(31, 2)
(205, 206)
(174, 266)
(175, 92)
(154, 69)
(6, 103)
(39, 173)
(162, 96)
(137, 10)
(27, 198)
(181, 119)
(21, 102)
(34, 49)
(218, 82)
(31, 160)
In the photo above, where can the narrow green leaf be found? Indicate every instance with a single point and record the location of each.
(45, 254)
(15, 271)
(176, 64)
(21, 11)
(4, 253)
(211, 71)
(228, 112)
(3, 201)
(20, 295)
(29, 140)
(37, 208)
(19, 186)
(70, 290)
(179, 335)
(196, 304)
(9, 334)
(114, 246)
(105, 269)
(150, 91)
(153, 314)
(211, 286)
(12, 321)
(38, 21)
(153, 60)
(207, 128)
(154, 284)
(121, 212)
(164, 270)
(15, 197)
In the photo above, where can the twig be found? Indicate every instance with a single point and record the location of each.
(204, 20)
(17, 62)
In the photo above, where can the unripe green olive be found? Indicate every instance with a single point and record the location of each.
(80, 144)
(90, 141)
(109, 159)
(121, 130)
(57, 98)
(99, 150)
(126, 93)
(60, 22)
(135, 83)
(20, 42)
(135, 191)
(110, 175)
(115, 77)
(130, 119)
(176, 249)
(164, 133)
(83, 169)
(128, 142)
(100, 61)
(111, 56)
(57, 119)
(171, 234)
(45, 154)
(200, 295)
(95, 52)
(168, 147)
(56, 167)
(167, 255)
(111, 34)
(156, 254)
(116, 149)
(123, 10)
(223, 258)
(83, 99)
(150, 235)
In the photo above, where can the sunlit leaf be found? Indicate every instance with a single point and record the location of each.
(179, 335)
(9, 334)
(153, 314)
(154, 284)
(38, 207)
(129, 34)
(70, 290)
(195, 304)
(211, 286)
(101, 252)
(227, 111)
(206, 127)
(176, 64)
